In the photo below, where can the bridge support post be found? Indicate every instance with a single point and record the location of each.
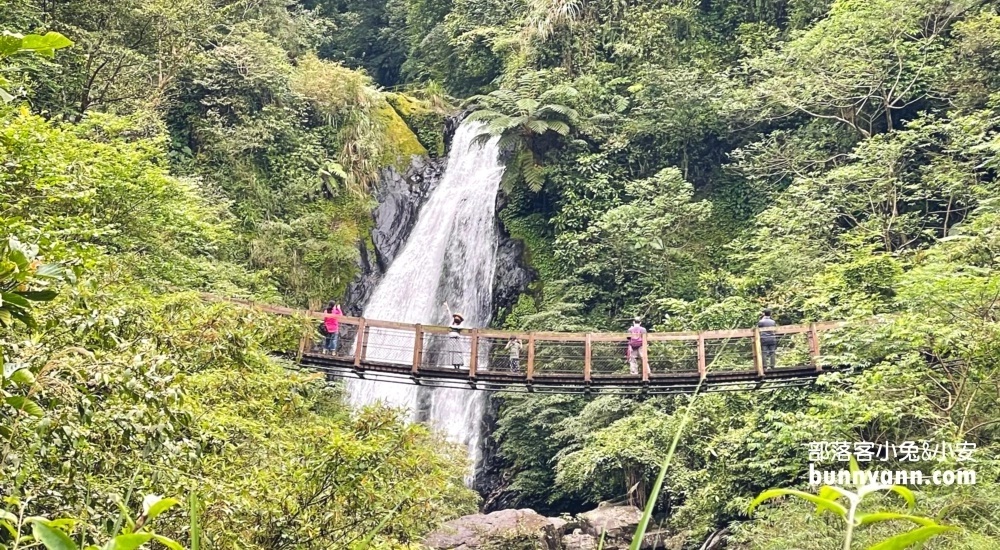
(702, 362)
(359, 347)
(530, 373)
(474, 354)
(814, 347)
(645, 357)
(587, 354)
(418, 348)
(304, 342)
(758, 355)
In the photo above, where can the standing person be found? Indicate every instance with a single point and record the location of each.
(332, 324)
(634, 352)
(454, 342)
(514, 345)
(768, 339)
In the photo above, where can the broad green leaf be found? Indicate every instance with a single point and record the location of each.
(10, 43)
(15, 299)
(26, 405)
(822, 503)
(901, 542)
(39, 295)
(45, 44)
(154, 505)
(128, 542)
(52, 538)
(9, 527)
(22, 377)
(50, 271)
(169, 543)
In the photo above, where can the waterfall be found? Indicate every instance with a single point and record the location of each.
(450, 257)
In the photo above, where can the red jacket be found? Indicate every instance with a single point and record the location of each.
(331, 321)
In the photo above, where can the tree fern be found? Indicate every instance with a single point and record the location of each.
(517, 116)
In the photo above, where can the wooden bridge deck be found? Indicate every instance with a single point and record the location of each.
(556, 362)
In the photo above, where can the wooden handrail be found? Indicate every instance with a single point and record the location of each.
(811, 331)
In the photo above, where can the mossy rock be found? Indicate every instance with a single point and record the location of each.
(426, 122)
(402, 142)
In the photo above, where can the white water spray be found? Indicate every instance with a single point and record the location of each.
(450, 256)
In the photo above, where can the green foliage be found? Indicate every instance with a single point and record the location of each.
(827, 500)
(516, 117)
(12, 44)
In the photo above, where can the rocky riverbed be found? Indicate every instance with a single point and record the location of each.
(524, 528)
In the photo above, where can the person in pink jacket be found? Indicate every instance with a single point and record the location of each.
(332, 324)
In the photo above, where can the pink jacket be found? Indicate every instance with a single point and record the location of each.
(331, 321)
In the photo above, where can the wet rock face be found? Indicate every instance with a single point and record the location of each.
(512, 277)
(399, 197)
(478, 530)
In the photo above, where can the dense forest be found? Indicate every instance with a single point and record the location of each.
(691, 162)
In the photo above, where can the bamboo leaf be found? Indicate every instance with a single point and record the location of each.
(821, 503)
(905, 540)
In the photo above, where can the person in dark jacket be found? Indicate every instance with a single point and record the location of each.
(768, 339)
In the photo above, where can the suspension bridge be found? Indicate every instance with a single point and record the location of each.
(563, 362)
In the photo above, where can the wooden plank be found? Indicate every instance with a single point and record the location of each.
(359, 347)
(418, 348)
(645, 357)
(702, 362)
(474, 354)
(758, 355)
(814, 347)
(587, 352)
(531, 356)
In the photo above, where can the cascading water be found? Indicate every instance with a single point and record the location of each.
(450, 257)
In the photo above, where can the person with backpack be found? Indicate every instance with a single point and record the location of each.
(768, 339)
(634, 352)
(331, 327)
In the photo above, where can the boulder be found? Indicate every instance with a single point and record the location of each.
(620, 522)
(471, 532)
(579, 541)
(559, 525)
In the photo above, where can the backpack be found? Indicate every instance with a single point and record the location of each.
(635, 342)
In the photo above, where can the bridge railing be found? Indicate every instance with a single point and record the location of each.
(552, 355)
